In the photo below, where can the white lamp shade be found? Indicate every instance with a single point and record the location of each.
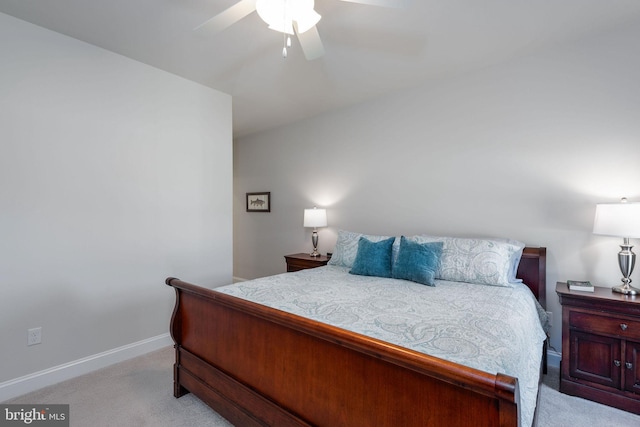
(617, 219)
(315, 217)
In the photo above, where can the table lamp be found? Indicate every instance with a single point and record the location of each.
(622, 220)
(315, 218)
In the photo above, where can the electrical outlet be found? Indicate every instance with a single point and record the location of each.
(34, 336)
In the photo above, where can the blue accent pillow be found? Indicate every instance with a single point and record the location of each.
(373, 258)
(346, 248)
(418, 262)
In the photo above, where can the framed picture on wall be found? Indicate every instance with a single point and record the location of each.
(259, 202)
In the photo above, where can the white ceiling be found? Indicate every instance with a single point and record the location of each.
(369, 50)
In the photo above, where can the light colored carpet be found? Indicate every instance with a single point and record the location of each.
(562, 410)
(139, 392)
(134, 393)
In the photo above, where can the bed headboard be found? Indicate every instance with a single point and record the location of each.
(533, 272)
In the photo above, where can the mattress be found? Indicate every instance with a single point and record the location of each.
(491, 328)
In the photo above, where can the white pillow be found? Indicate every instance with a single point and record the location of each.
(483, 261)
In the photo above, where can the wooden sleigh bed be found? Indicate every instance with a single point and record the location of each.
(259, 366)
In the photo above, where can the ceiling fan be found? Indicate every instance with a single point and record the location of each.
(287, 17)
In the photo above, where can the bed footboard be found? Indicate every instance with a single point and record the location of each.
(260, 366)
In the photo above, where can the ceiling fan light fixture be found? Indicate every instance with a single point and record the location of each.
(283, 27)
(280, 14)
(308, 21)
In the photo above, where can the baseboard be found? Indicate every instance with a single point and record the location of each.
(553, 358)
(238, 279)
(28, 383)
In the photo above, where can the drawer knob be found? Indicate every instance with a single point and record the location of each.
(629, 365)
(617, 363)
(623, 326)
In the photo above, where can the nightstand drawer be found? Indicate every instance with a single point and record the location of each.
(295, 265)
(604, 325)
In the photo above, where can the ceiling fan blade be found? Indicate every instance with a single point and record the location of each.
(310, 43)
(228, 17)
(383, 3)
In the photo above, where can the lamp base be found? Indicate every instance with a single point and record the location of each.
(626, 290)
(314, 242)
(626, 261)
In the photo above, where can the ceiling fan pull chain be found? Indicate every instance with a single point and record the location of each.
(284, 35)
(284, 47)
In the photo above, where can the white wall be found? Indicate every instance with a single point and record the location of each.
(522, 150)
(113, 176)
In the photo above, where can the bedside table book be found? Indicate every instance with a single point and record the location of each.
(578, 285)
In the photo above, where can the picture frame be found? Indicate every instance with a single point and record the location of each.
(259, 202)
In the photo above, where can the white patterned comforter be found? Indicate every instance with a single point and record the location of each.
(494, 329)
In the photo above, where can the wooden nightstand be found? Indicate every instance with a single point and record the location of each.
(601, 347)
(302, 261)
